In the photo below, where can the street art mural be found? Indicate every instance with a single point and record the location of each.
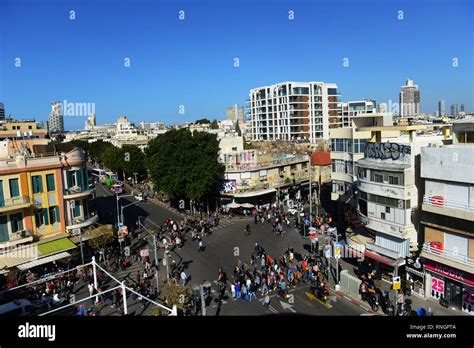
(385, 151)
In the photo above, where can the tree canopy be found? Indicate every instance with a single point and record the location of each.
(214, 124)
(184, 164)
(202, 121)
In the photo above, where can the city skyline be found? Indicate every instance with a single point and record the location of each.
(204, 78)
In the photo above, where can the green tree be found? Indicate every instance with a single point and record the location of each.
(214, 124)
(184, 164)
(202, 121)
(133, 160)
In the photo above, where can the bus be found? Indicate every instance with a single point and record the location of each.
(99, 174)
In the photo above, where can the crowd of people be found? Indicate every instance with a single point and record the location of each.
(263, 274)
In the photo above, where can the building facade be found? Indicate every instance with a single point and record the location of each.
(235, 114)
(2, 112)
(45, 195)
(441, 108)
(56, 118)
(294, 111)
(447, 224)
(409, 100)
(354, 108)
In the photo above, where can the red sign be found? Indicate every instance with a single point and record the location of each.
(450, 272)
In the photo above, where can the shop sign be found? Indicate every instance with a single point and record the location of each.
(437, 288)
(449, 272)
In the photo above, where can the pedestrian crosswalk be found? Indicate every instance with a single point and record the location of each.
(223, 223)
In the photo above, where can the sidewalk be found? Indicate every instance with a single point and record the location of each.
(417, 301)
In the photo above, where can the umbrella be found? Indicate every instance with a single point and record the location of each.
(233, 205)
(247, 205)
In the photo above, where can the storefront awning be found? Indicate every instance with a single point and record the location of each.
(55, 246)
(43, 261)
(254, 193)
(382, 259)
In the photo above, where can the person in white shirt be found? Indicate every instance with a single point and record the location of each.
(184, 278)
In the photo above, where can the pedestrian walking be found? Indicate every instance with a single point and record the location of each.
(200, 245)
(184, 278)
(91, 289)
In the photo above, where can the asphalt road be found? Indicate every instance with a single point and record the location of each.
(224, 248)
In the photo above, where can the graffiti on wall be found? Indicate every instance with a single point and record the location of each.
(386, 151)
(229, 186)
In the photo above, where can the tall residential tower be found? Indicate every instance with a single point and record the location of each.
(409, 100)
(294, 111)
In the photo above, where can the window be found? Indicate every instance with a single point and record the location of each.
(71, 178)
(77, 209)
(41, 217)
(378, 177)
(393, 180)
(16, 222)
(382, 216)
(387, 210)
(50, 184)
(53, 215)
(234, 149)
(37, 184)
(14, 188)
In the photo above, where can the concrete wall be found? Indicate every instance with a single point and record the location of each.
(453, 163)
(350, 284)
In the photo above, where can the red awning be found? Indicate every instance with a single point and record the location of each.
(377, 257)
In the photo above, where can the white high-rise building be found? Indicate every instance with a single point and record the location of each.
(56, 119)
(294, 111)
(409, 100)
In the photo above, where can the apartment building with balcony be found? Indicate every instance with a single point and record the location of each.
(37, 186)
(447, 223)
(347, 146)
(294, 111)
(357, 107)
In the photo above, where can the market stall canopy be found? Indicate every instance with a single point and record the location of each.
(247, 205)
(233, 205)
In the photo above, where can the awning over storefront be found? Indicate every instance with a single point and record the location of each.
(254, 193)
(382, 259)
(55, 246)
(43, 261)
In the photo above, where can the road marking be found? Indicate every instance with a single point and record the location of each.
(314, 298)
(288, 306)
(270, 307)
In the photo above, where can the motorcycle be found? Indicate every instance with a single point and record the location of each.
(404, 309)
(373, 301)
(386, 304)
(320, 291)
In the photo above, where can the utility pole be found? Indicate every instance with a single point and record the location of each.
(203, 302)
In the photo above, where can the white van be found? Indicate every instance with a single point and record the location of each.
(18, 308)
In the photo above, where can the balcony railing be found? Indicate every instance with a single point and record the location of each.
(448, 254)
(81, 219)
(15, 201)
(440, 201)
(78, 189)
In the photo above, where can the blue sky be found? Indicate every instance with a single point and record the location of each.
(191, 62)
